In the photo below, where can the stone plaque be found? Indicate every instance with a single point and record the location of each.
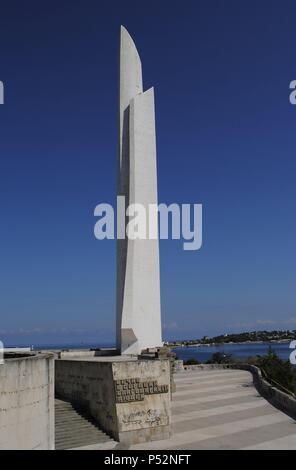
(127, 390)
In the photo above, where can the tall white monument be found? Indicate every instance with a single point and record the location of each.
(138, 286)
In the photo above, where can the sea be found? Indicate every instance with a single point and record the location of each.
(202, 353)
(237, 350)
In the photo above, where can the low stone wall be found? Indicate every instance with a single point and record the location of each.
(182, 367)
(276, 397)
(27, 402)
(130, 400)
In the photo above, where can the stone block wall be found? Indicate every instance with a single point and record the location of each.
(130, 400)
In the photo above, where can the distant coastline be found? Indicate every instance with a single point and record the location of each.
(251, 337)
(283, 341)
(246, 338)
(239, 350)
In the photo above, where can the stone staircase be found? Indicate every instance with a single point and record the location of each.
(74, 428)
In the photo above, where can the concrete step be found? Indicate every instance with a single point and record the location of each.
(81, 439)
(73, 429)
(62, 407)
(70, 443)
(68, 437)
(62, 404)
(74, 425)
(79, 430)
(77, 433)
(68, 416)
(67, 424)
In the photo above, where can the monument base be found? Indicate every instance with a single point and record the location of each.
(128, 398)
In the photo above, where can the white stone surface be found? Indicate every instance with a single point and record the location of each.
(138, 286)
(131, 84)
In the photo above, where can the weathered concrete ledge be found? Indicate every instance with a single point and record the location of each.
(276, 397)
(27, 402)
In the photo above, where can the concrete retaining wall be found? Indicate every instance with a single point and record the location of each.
(107, 391)
(27, 403)
(280, 399)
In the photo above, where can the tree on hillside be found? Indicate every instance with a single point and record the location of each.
(220, 358)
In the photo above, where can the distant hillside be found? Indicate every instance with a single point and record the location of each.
(251, 336)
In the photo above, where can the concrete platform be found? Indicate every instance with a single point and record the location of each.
(222, 410)
(92, 358)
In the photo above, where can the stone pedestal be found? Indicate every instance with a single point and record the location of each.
(129, 399)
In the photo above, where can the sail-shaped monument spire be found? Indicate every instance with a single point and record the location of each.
(138, 285)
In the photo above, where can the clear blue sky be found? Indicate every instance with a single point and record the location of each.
(226, 139)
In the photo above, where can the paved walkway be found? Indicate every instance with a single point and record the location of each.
(222, 410)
